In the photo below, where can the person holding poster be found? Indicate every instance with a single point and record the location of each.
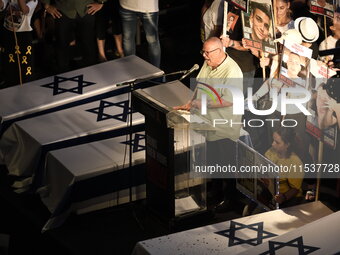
(234, 48)
(282, 154)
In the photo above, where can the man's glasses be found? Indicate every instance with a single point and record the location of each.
(206, 52)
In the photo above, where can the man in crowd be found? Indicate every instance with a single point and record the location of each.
(219, 69)
(148, 12)
(70, 15)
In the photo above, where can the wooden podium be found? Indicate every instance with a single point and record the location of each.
(170, 192)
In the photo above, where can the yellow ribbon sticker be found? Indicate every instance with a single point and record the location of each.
(29, 71)
(17, 49)
(29, 48)
(11, 58)
(24, 60)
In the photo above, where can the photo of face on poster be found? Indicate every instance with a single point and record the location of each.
(231, 21)
(323, 7)
(295, 60)
(258, 26)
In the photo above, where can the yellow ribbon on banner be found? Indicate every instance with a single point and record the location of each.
(24, 60)
(17, 49)
(11, 58)
(29, 48)
(29, 71)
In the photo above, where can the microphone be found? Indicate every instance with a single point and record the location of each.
(192, 69)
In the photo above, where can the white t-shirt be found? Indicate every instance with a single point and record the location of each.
(4, 6)
(140, 5)
(328, 43)
(212, 17)
(19, 21)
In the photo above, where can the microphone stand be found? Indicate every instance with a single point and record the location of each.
(131, 85)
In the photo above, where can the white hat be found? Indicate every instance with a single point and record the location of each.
(308, 29)
(291, 35)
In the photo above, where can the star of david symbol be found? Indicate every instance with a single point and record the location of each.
(235, 226)
(79, 79)
(297, 243)
(101, 115)
(136, 146)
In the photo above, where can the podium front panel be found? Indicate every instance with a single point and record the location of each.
(165, 163)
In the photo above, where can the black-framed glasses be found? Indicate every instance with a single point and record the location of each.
(208, 52)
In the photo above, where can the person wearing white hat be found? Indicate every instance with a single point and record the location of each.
(291, 35)
(308, 29)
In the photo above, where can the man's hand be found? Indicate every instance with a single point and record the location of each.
(264, 62)
(185, 107)
(225, 40)
(53, 11)
(94, 8)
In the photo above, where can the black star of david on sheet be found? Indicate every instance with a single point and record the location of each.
(136, 146)
(101, 115)
(235, 226)
(297, 243)
(79, 79)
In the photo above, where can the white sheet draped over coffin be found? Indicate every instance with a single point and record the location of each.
(32, 97)
(319, 237)
(245, 235)
(21, 144)
(98, 172)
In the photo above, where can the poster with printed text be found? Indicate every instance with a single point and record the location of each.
(322, 7)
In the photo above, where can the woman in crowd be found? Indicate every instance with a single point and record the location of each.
(283, 16)
(110, 11)
(282, 154)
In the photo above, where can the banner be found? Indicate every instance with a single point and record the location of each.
(322, 7)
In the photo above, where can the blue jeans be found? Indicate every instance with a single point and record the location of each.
(150, 25)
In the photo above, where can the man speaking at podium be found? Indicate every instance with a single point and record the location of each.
(218, 69)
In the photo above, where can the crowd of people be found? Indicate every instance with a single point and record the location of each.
(69, 24)
(250, 42)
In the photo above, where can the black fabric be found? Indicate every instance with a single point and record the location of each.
(10, 58)
(110, 11)
(245, 60)
(83, 30)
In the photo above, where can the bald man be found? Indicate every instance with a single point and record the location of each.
(218, 68)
